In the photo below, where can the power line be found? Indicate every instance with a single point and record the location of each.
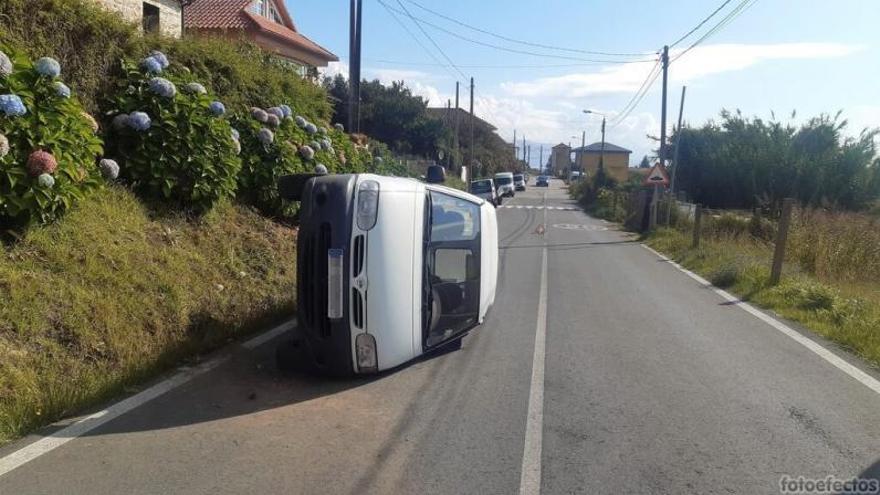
(733, 14)
(522, 42)
(416, 38)
(698, 26)
(489, 66)
(638, 96)
(418, 20)
(418, 25)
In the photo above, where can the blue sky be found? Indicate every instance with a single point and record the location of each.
(812, 56)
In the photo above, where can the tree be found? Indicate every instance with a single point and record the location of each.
(645, 163)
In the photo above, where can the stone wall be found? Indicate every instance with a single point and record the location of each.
(132, 10)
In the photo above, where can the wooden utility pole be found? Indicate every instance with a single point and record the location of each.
(455, 133)
(781, 239)
(354, 77)
(471, 160)
(664, 59)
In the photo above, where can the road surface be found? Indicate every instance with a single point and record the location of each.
(651, 383)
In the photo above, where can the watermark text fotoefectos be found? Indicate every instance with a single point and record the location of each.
(829, 485)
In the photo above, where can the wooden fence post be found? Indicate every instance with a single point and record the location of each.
(698, 220)
(781, 238)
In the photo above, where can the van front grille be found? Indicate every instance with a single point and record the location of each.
(357, 256)
(314, 286)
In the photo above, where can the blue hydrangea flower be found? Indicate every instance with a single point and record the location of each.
(160, 57)
(276, 111)
(12, 106)
(378, 159)
(109, 168)
(46, 181)
(235, 134)
(286, 110)
(315, 145)
(266, 136)
(139, 121)
(4, 146)
(196, 88)
(340, 127)
(120, 121)
(322, 131)
(301, 121)
(61, 89)
(5, 65)
(321, 169)
(236, 146)
(307, 152)
(217, 108)
(259, 114)
(163, 87)
(48, 67)
(151, 65)
(273, 120)
(311, 128)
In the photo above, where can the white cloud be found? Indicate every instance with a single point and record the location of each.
(333, 69)
(699, 62)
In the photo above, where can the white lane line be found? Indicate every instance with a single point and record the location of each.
(530, 473)
(271, 334)
(92, 421)
(835, 360)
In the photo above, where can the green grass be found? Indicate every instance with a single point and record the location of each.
(114, 294)
(839, 309)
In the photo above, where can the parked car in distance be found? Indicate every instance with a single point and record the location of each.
(504, 184)
(519, 182)
(542, 181)
(485, 188)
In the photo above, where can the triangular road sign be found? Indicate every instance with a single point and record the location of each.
(657, 176)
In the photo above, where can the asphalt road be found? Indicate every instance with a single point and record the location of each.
(652, 384)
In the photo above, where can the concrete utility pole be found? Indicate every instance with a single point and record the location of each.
(524, 148)
(354, 77)
(541, 163)
(514, 143)
(472, 124)
(455, 133)
(664, 59)
(602, 149)
(529, 155)
(675, 157)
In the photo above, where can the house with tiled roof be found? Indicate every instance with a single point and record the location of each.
(265, 22)
(614, 159)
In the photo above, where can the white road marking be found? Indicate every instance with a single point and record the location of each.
(540, 207)
(530, 473)
(835, 360)
(92, 421)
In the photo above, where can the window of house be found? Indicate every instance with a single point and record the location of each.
(150, 18)
(267, 9)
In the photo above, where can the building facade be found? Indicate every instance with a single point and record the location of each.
(560, 160)
(616, 160)
(153, 16)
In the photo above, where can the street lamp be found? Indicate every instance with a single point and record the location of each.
(602, 151)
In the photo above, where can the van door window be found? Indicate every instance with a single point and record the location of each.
(452, 268)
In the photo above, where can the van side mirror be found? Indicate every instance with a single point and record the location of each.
(436, 174)
(291, 187)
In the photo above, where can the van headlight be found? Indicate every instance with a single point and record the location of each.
(365, 349)
(368, 204)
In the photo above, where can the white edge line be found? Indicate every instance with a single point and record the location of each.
(530, 473)
(835, 360)
(95, 420)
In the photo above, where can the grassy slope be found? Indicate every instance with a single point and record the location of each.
(845, 312)
(112, 294)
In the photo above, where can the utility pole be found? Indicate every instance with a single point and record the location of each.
(447, 122)
(529, 156)
(470, 162)
(675, 157)
(524, 148)
(656, 196)
(354, 77)
(514, 143)
(541, 163)
(455, 134)
(602, 149)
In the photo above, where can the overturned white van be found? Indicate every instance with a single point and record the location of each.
(388, 269)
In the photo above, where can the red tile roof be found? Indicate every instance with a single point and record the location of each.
(233, 14)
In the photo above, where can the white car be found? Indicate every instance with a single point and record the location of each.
(485, 189)
(388, 270)
(504, 184)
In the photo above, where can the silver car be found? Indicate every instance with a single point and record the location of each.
(485, 188)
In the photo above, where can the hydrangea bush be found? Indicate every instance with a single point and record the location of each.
(171, 146)
(48, 143)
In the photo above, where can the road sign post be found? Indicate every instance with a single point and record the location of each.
(698, 220)
(781, 239)
(657, 177)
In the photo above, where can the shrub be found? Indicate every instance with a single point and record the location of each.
(172, 145)
(725, 275)
(48, 145)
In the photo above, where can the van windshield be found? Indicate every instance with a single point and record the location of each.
(503, 180)
(481, 186)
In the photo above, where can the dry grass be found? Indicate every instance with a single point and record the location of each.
(112, 294)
